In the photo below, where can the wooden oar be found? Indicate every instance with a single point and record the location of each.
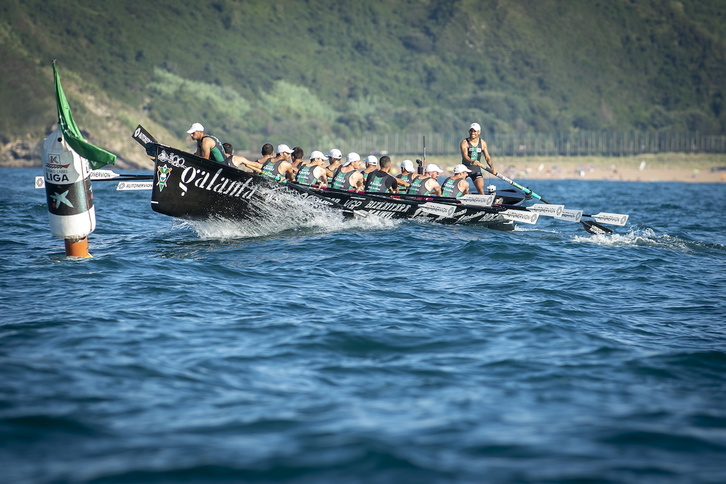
(588, 225)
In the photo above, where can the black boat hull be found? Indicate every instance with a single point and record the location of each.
(188, 187)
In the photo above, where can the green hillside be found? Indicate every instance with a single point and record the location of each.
(298, 71)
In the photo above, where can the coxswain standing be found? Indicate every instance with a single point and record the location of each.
(456, 185)
(208, 146)
(473, 149)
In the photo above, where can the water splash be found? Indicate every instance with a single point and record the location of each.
(648, 238)
(281, 212)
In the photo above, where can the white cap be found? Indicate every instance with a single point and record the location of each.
(432, 167)
(371, 160)
(475, 127)
(460, 168)
(335, 153)
(408, 166)
(195, 127)
(351, 158)
(283, 149)
(317, 154)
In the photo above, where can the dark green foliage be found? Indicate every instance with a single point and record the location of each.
(294, 71)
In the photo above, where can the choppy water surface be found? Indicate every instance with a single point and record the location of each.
(369, 351)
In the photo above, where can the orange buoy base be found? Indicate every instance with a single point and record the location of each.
(77, 248)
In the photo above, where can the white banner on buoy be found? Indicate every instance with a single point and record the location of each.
(68, 189)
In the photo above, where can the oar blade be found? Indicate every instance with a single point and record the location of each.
(477, 200)
(523, 216)
(611, 218)
(595, 228)
(570, 215)
(438, 209)
(546, 210)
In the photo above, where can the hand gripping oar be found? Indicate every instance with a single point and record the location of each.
(588, 225)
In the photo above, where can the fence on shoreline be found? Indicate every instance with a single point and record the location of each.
(556, 144)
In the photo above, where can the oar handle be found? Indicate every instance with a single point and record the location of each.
(524, 189)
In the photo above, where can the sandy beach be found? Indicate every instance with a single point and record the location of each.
(692, 168)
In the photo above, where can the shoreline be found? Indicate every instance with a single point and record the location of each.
(662, 167)
(665, 167)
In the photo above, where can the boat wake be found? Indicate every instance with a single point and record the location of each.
(284, 213)
(648, 238)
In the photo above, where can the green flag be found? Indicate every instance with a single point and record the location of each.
(97, 157)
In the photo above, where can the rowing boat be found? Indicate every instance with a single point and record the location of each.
(188, 187)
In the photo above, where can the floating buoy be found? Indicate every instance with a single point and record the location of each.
(68, 194)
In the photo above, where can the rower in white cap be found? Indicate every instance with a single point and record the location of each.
(371, 166)
(456, 185)
(334, 156)
(280, 166)
(208, 146)
(428, 183)
(313, 172)
(348, 177)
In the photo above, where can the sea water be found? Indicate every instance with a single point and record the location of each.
(313, 349)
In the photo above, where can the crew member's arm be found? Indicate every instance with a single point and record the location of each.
(464, 186)
(320, 173)
(433, 186)
(357, 181)
(487, 158)
(288, 170)
(241, 160)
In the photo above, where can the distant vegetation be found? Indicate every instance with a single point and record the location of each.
(329, 70)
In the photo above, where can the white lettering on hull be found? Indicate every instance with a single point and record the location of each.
(204, 180)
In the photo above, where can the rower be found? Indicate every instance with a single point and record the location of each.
(371, 166)
(280, 166)
(381, 180)
(456, 185)
(408, 171)
(313, 172)
(348, 177)
(427, 184)
(208, 146)
(234, 160)
(334, 156)
(267, 152)
(297, 157)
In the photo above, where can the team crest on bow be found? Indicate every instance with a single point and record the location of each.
(163, 177)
